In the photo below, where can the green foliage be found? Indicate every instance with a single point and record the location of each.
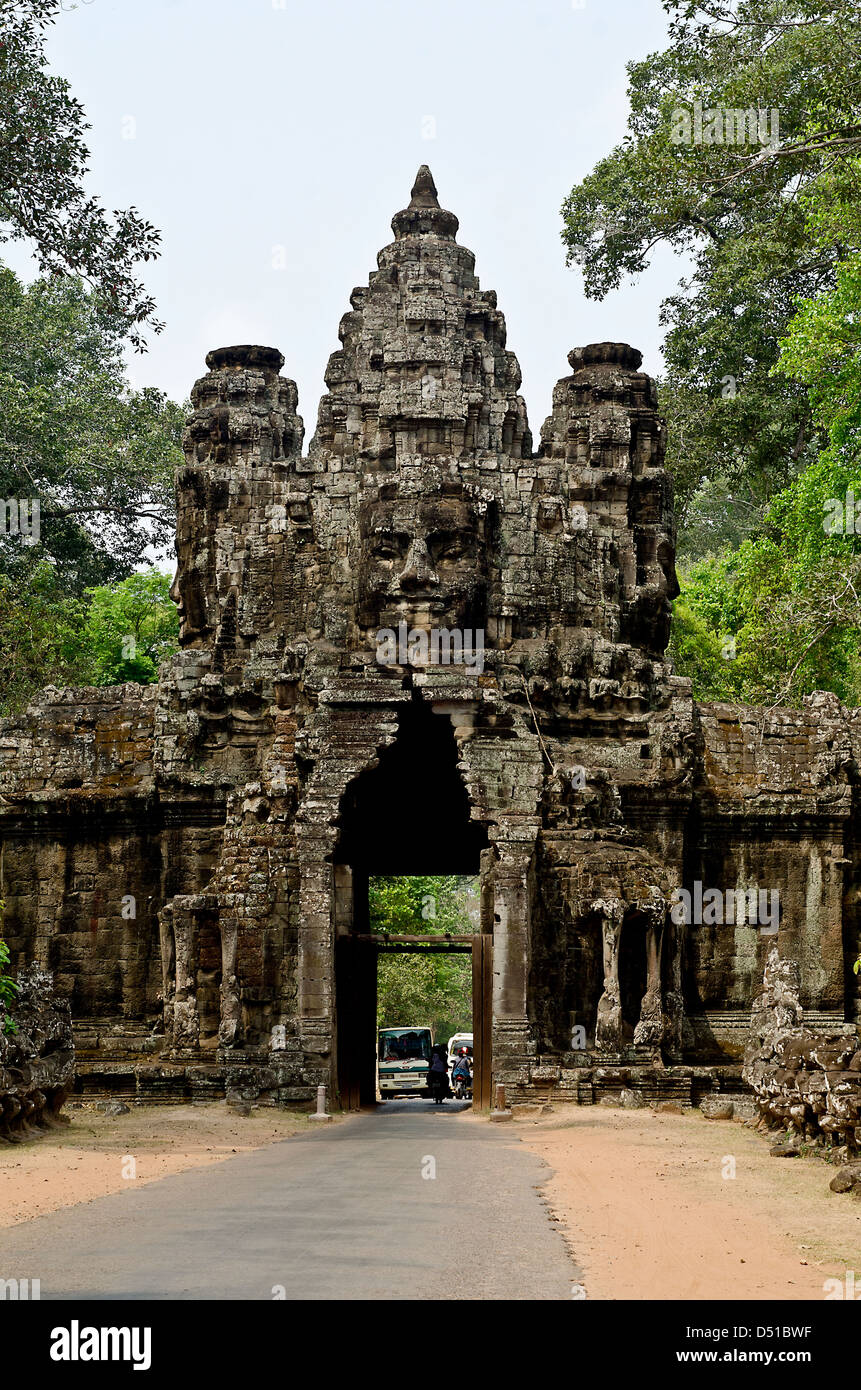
(113, 633)
(414, 988)
(421, 904)
(697, 649)
(791, 594)
(738, 213)
(43, 174)
(8, 987)
(788, 600)
(40, 627)
(822, 345)
(762, 391)
(98, 456)
(131, 627)
(425, 990)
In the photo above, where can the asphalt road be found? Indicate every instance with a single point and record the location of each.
(342, 1213)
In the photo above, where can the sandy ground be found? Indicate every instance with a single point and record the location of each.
(89, 1157)
(642, 1197)
(648, 1214)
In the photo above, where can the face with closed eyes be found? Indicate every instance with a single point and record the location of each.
(191, 582)
(423, 563)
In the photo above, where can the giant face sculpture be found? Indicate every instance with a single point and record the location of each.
(422, 562)
(192, 579)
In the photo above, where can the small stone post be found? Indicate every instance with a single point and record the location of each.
(500, 1113)
(321, 1105)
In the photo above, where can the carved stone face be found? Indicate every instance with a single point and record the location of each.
(187, 593)
(189, 586)
(422, 562)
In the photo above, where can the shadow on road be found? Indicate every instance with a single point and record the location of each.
(420, 1105)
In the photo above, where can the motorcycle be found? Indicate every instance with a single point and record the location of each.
(463, 1088)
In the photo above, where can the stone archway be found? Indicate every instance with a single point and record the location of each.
(498, 844)
(408, 812)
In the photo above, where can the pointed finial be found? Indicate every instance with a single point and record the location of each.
(424, 216)
(423, 192)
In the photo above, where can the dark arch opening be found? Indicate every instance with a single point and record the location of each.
(632, 970)
(408, 815)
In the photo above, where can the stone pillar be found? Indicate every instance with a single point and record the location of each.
(513, 1044)
(316, 959)
(649, 1031)
(244, 428)
(230, 1024)
(674, 999)
(168, 966)
(186, 1019)
(608, 1027)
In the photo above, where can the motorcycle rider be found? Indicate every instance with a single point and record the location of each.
(461, 1071)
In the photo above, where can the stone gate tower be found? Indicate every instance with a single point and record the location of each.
(243, 802)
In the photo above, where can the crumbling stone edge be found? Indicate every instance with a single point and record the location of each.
(807, 1086)
(37, 1058)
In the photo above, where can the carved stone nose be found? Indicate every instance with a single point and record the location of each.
(418, 572)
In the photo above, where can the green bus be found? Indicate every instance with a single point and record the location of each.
(403, 1058)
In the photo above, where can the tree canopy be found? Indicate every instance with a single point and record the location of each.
(743, 154)
(737, 212)
(86, 461)
(44, 161)
(98, 455)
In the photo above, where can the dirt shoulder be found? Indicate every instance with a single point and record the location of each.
(649, 1214)
(90, 1157)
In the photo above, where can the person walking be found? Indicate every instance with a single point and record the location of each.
(438, 1075)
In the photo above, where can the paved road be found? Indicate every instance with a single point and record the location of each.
(342, 1213)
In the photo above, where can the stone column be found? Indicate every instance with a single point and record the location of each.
(513, 1044)
(168, 966)
(674, 999)
(316, 959)
(230, 1023)
(649, 1031)
(186, 1019)
(608, 1028)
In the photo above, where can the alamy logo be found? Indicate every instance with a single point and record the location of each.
(76, 1343)
(842, 516)
(439, 647)
(724, 125)
(840, 1288)
(20, 516)
(24, 1290)
(714, 906)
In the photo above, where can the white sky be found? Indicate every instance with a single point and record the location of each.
(293, 131)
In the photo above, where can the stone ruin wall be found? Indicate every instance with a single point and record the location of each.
(215, 801)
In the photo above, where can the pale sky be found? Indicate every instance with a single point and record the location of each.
(271, 141)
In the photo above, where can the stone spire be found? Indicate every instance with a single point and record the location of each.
(423, 369)
(606, 440)
(239, 519)
(423, 192)
(424, 216)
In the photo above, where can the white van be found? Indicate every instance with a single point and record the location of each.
(455, 1043)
